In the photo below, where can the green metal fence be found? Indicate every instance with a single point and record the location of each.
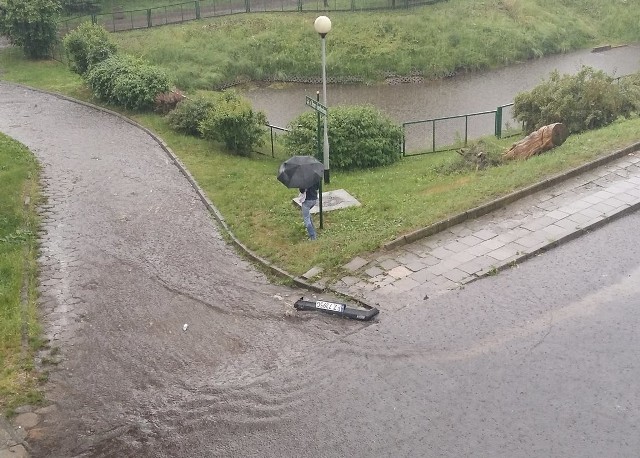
(119, 20)
(452, 132)
(274, 131)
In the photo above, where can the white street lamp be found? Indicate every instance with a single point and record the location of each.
(322, 25)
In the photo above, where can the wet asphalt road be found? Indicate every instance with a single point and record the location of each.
(541, 360)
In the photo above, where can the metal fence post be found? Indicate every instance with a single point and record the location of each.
(433, 134)
(273, 154)
(498, 129)
(197, 3)
(403, 145)
(149, 18)
(94, 19)
(247, 6)
(466, 129)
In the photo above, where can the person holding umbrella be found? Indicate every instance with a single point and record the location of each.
(308, 199)
(304, 173)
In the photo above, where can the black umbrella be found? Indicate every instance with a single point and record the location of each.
(300, 172)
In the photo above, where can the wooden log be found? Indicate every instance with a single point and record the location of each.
(541, 140)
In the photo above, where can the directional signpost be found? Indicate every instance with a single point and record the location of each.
(322, 111)
(316, 105)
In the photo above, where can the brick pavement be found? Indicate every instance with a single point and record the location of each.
(482, 246)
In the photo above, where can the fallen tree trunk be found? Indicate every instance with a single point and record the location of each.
(541, 140)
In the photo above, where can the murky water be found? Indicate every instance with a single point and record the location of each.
(462, 94)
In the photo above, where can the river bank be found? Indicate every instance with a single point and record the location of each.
(430, 42)
(463, 94)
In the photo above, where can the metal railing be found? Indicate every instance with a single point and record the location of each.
(451, 132)
(119, 20)
(273, 136)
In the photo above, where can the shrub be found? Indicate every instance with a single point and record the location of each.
(630, 88)
(31, 25)
(587, 100)
(87, 45)
(167, 101)
(188, 115)
(127, 81)
(233, 122)
(359, 137)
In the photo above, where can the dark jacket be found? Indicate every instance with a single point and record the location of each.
(311, 193)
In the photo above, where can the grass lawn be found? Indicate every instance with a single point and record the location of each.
(434, 40)
(408, 195)
(19, 328)
(413, 193)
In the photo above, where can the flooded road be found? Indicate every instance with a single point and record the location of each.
(130, 255)
(470, 93)
(520, 364)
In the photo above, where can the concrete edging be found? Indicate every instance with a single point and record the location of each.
(505, 200)
(400, 241)
(567, 238)
(210, 206)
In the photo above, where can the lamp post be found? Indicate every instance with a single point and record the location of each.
(322, 25)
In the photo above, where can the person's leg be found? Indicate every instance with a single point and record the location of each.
(307, 205)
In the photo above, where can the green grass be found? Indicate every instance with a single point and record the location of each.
(435, 40)
(19, 328)
(411, 194)
(395, 200)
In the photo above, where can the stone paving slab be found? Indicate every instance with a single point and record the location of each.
(332, 200)
(497, 240)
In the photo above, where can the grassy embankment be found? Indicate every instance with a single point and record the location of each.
(19, 328)
(436, 40)
(459, 34)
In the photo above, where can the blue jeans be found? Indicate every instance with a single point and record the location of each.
(307, 205)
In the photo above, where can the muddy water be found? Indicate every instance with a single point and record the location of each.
(433, 99)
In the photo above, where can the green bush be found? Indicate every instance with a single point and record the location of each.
(31, 25)
(232, 121)
(359, 137)
(88, 45)
(630, 88)
(188, 115)
(587, 100)
(126, 81)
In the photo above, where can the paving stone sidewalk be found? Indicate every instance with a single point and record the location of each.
(497, 240)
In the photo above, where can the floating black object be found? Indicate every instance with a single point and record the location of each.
(336, 308)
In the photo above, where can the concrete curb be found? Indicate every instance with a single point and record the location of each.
(567, 238)
(403, 240)
(210, 206)
(509, 198)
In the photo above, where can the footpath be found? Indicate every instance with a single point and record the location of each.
(496, 236)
